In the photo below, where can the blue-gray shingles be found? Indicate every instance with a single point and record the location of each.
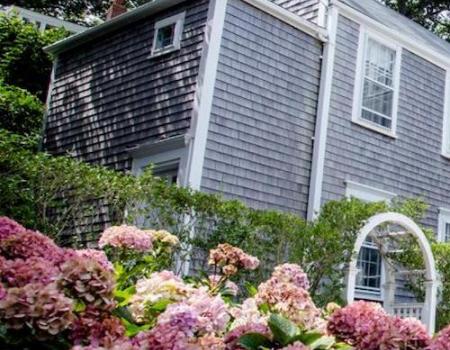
(259, 145)
(410, 165)
(108, 94)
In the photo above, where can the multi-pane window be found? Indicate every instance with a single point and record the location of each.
(168, 34)
(447, 232)
(369, 269)
(378, 85)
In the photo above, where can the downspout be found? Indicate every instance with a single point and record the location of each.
(47, 105)
(323, 109)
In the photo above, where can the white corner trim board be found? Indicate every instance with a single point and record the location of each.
(290, 18)
(446, 118)
(204, 92)
(47, 103)
(323, 109)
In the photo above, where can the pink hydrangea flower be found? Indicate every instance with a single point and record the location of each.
(291, 301)
(296, 346)
(292, 273)
(96, 255)
(128, 237)
(173, 331)
(9, 227)
(19, 272)
(87, 280)
(441, 341)
(366, 326)
(28, 244)
(231, 259)
(42, 308)
(96, 328)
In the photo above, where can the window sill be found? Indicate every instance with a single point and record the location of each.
(445, 155)
(372, 127)
(163, 52)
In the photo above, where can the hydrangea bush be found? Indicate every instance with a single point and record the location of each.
(123, 298)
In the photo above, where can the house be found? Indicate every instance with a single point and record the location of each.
(42, 21)
(285, 104)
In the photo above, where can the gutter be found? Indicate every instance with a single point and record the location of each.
(110, 26)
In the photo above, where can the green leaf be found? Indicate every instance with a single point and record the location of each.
(250, 288)
(322, 343)
(284, 331)
(131, 329)
(264, 308)
(254, 341)
(124, 314)
(79, 306)
(124, 296)
(159, 306)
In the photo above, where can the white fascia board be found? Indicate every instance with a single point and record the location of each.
(204, 92)
(290, 18)
(425, 51)
(118, 22)
(323, 110)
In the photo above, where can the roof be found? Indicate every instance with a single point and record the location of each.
(111, 25)
(400, 23)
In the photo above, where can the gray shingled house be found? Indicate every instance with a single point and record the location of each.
(284, 104)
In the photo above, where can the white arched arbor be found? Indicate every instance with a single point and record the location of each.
(428, 311)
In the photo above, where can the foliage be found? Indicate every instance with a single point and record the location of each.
(72, 301)
(20, 111)
(23, 62)
(58, 194)
(432, 14)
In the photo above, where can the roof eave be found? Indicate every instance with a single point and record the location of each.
(111, 25)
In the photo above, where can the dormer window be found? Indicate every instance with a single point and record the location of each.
(167, 36)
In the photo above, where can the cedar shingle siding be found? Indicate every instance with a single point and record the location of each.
(259, 145)
(109, 94)
(308, 9)
(410, 165)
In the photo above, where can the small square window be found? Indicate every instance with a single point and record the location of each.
(167, 36)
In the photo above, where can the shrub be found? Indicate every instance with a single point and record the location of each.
(20, 111)
(83, 308)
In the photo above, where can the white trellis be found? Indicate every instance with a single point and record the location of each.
(427, 311)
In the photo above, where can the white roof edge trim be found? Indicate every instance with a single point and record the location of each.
(425, 51)
(290, 18)
(111, 25)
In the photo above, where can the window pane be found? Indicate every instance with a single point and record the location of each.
(369, 265)
(447, 232)
(165, 36)
(377, 103)
(380, 61)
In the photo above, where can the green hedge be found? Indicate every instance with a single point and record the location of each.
(72, 200)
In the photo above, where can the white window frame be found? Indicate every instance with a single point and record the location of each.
(364, 36)
(444, 218)
(178, 20)
(164, 153)
(369, 194)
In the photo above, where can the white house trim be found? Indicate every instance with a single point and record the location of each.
(364, 34)
(431, 277)
(47, 103)
(444, 218)
(425, 51)
(446, 120)
(367, 193)
(322, 13)
(178, 20)
(323, 109)
(290, 18)
(204, 92)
